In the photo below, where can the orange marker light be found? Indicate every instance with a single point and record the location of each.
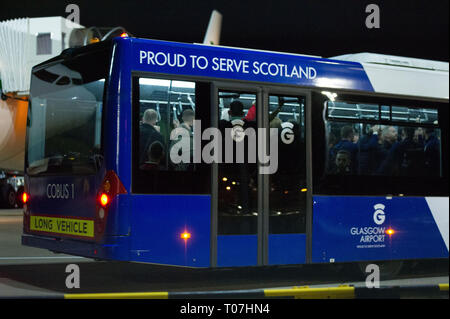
(104, 200)
(185, 235)
(24, 197)
(124, 35)
(390, 231)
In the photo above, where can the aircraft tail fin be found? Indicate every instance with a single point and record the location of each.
(212, 35)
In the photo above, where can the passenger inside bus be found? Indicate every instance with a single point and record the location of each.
(149, 133)
(386, 150)
(343, 163)
(346, 143)
(187, 125)
(432, 152)
(155, 154)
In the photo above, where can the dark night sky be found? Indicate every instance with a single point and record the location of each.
(317, 27)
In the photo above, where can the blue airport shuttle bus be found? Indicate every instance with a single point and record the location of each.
(209, 156)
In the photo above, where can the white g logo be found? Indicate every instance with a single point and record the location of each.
(287, 134)
(378, 215)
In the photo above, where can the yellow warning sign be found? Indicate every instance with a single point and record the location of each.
(68, 226)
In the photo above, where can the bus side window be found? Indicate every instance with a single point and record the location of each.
(364, 147)
(167, 111)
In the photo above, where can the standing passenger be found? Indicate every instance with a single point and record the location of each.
(389, 151)
(432, 153)
(346, 144)
(148, 133)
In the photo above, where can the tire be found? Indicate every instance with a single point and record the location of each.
(9, 197)
(388, 269)
(19, 194)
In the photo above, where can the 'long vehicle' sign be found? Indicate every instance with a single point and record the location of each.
(59, 225)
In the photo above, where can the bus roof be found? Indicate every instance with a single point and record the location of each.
(393, 60)
(403, 75)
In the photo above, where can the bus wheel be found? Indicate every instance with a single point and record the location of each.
(388, 269)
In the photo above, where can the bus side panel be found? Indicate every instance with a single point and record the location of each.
(237, 250)
(285, 249)
(157, 222)
(349, 228)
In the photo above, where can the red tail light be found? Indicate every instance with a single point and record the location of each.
(109, 189)
(24, 197)
(103, 199)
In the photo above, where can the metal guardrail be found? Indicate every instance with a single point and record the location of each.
(304, 292)
(340, 292)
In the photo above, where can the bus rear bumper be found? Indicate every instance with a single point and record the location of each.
(74, 247)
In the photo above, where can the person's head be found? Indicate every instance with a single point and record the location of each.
(347, 133)
(276, 123)
(343, 160)
(407, 133)
(150, 117)
(236, 109)
(155, 152)
(418, 134)
(188, 117)
(390, 134)
(429, 132)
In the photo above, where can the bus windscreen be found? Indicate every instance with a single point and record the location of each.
(65, 116)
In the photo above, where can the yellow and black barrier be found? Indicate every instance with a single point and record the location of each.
(304, 292)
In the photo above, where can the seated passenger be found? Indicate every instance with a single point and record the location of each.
(155, 154)
(343, 163)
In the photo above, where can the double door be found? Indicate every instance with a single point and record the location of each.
(260, 185)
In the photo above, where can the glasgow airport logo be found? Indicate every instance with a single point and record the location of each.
(372, 236)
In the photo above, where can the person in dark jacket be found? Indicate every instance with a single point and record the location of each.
(432, 153)
(148, 133)
(389, 151)
(346, 144)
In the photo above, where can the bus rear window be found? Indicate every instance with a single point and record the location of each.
(65, 116)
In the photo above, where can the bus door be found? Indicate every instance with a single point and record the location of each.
(286, 188)
(235, 182)
(259, 188)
